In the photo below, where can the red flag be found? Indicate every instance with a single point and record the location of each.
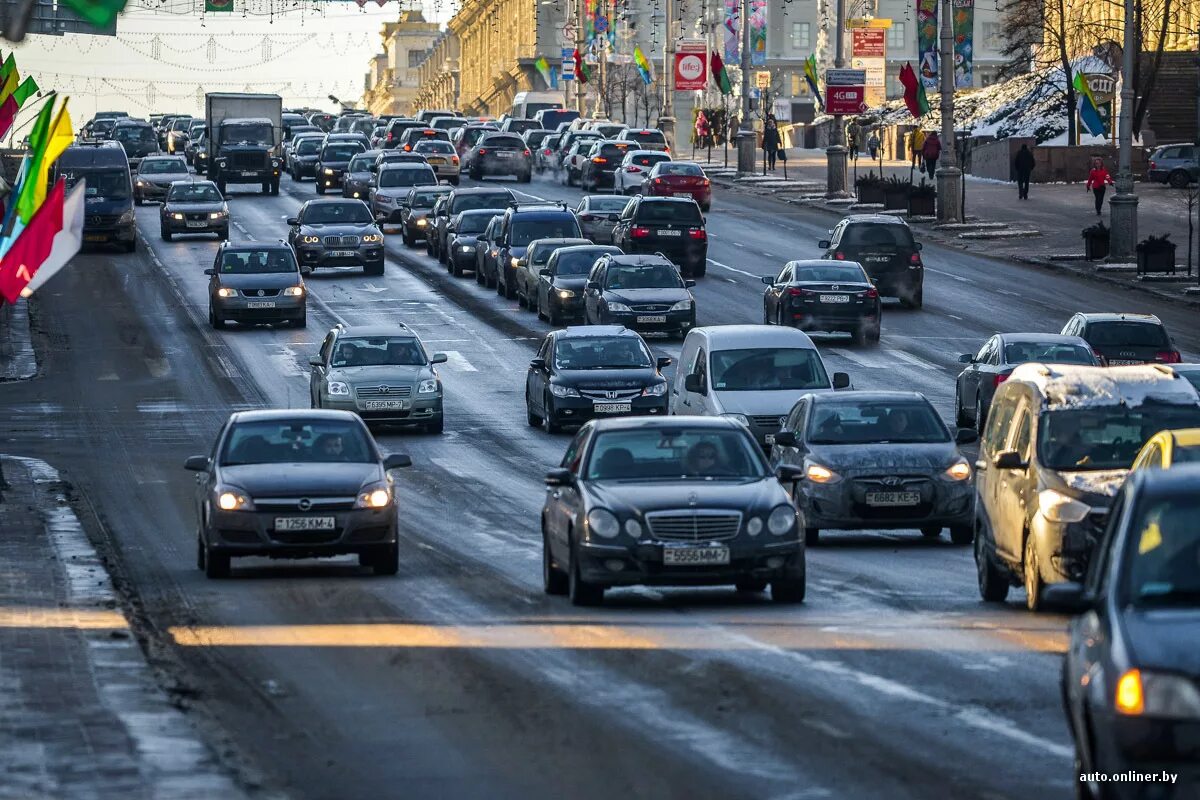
(719, 76)
(914, 92)
(581, 70)
(33, 246)
(8, 113)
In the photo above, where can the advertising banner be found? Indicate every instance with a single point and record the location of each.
(845, 100)
(964, 43)
(868, 52)
(868, 42)
(691, 67)
(758, 32)
(733, 32)
(927, 42)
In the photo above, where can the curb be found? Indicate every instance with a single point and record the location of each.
(18, 361)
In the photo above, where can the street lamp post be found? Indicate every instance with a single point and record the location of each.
(746, 139)
(949, 176)
(835, 153)
(580, 44)
(1123, 207)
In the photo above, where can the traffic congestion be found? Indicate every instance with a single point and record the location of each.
(553, 353)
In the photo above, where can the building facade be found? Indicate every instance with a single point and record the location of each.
(438, 75)
(392, 80)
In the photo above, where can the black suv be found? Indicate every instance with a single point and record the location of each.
(455, 203)
(641, 292)
(1122, 339)
(395, 129)
(884, 245)
(501, 154)
(672, 226)
(601, 163)
(521, 225)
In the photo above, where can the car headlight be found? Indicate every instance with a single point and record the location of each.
(225, 291)
(682, 305)
(739, 418)
(1058, 507)
(633, 528)
(376, 495)
(422, 222)
(467, 248)
(781, 520)
(329, 171)
(294, 291)
(558, 390)
(655, 389)
(958, 471)
(820, 474)
(1156, 694)
(565, 294)
(177, 215)
(232, 498)
(339, 388)
(141, 182)
(356, 195)
(603, 523)
(127, 218)
(217, 214)
(372, 238)
(427, 386)
(754, 526)
(274, 162)
(620, 307)
(310, 239)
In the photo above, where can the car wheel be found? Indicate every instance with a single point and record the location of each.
(383, 560)
(131, 246)
(750, 585)
(408, 240)
(215, 319)
(454, 268)
(914, 300)
(873, 335)
(199, 551)
(223, 235)
(221, 187)
(812, 536)
(548, 420)
(554, 580)
(961, 534)
(165, 234)
(860, 336)
(137, 200)
(1033, 575)
(699, 270)
(993, 584)
(373, 269)
(960, 417)
(552, 317)
(274, 187)
(980, 416)
(301, 321)
(216, 563)
(507, 291)
(581, 592)
(1179, 179)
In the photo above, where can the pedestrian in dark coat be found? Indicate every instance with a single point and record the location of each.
(1023, 164)
(931, 151)
(1098, 181)
(771, 142)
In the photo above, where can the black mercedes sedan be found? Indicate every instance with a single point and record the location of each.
(876, 460)
(828, 296)
(193, 208)
(336, 233)
(645, 293)
(1131, 674)
(593, 371)
(559, 291)
(669, 501)
(295, 484)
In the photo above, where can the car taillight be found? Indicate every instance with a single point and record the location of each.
(599, 160)
(658, 180)
(483, 151)
(408, 148)
(639, 232)
(546, 152)
(998, 379)
(633, 169)
(794, 292)
(871, 294)
(390, 137)
(915, 258)
(586, 218)
(453, 159)
(706, 182)
(839, 255)
(697, 233)
(1152, 165)
(526, 152)
(1168, 357)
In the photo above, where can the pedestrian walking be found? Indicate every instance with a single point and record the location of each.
(1098, 181)
(931, 151)
(852, 134)
(1023, 164)
(703, 131)
(916, 142)
(873, 145)
(771, 142)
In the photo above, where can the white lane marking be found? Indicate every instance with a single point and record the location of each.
(457, 362)
(738, 244)
(534, 196)
(916, 361)
(373, 289)
(160, 407)
(954, 316)
(227, 367)
(1007, 292)
(862, 358)
(732, 269)
(959, 278)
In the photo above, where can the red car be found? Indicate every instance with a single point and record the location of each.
(679, 179)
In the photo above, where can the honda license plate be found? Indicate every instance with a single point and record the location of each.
(385, 405)
(612, 408)
(657, 319)
(342, 254)
(670, 233)
(305, 523)
(835, 298)
(684, 556)
(260, 304)
(893, 498)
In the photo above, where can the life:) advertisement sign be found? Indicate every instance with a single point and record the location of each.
(691, 67)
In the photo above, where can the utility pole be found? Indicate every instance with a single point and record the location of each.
(580, 44)
(666, 120)
(1123, 207)
(949, 176)
(747, 141)
(835, 153)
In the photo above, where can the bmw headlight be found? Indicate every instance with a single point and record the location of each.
(781, 520)
(1058, 507)
(311, 239)
(294, 291)
(375, 495)
(177, 215)
(338, 388)
(558, 390)
(225, 291)
(682, 305)
(603, 523)
(372, 238)
(427, 386)
(619, 307)
(232, 498)
(958, 471)
(740, 418)
(655, 389)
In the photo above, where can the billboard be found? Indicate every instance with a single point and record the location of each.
(927, 42)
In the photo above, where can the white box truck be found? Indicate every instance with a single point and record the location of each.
(244, 139)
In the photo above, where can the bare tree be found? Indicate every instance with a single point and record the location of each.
(1044, 36)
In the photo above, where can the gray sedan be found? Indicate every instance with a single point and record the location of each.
(194, 208)
(156, 174)
(598, 215)
(256, 283)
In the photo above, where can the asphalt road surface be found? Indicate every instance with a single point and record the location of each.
(459, 678)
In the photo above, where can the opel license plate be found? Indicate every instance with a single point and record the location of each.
(260, 304)
(612, 408)
(305, 523)
(893, 498)
(685, 556)
(835, 298)
(652, 320)
(385, 405)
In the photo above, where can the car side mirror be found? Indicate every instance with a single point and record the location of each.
(823, 244)
(196, 463)
(537, 363)
(918, 245)
(293, 221)
(966, 436)
(438, 358)
(545, 273)
(841, 380)
(694, 383)
(665, 361)
(560, 477)
(210, 271)
(1068, 596)
(316, 361)
(787, 439)
(688, 284)
(593, 286)
(397, 461)
(966, 358)
(769, 280)
(1008, 459)
(788, 473)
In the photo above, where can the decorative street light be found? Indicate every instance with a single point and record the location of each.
(1123, 207)
(835, 154)
(949, 176)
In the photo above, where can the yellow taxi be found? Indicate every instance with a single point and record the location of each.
(1167, 448)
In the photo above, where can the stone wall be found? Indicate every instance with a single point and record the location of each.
(1054, 164)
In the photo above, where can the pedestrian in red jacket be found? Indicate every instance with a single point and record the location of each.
(1098, 181)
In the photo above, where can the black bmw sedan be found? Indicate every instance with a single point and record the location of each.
(829, 296)
(336, 233)
(668, 502)
(295, 484)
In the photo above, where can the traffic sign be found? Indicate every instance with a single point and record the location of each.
(762, 79)
(845, 77)
(568, 32)
(845, 99)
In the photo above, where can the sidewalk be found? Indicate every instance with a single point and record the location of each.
(17, 361)
(81, 715)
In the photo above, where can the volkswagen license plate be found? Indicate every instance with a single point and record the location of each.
(197, 224)
(341, 254)
(652, 320)
(685, 556)
(893, 498)
(835, 298)
(305, 523)
(670, 233)
(385, 405)
(260, 304)
(612, 408)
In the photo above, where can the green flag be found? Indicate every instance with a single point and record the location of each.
(6, 69)
(38, 140)
(23, 92)
(100, 13)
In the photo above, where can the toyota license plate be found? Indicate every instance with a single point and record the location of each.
(260, 304)
(193, 224)
(670, 233)
(652, 320)
(694, 556)
(305, 523)
(342, 254)
(893, 498)
(385, 405)
(835, 298)
(612, 408)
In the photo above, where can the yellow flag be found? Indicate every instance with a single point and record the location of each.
(59, 139)
(9, 85)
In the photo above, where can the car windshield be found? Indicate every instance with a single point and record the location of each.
(601, 352)
(253, 262)
(648, 160)
(299, 441)
(669, 213)
(1130, 334)
(342, 151)
(165, 166)
(1047, 353)
(503, 142)
(1185, 454)
(876, 422)
(434, 147)
(844, 273)
(378, 351)
(674, 168)
(247, 133)
(473, 224)
(674, 453)
(645, 276)
(647, 137)
(308, 147)
(1163, 569)
(102, 126)
(194, 193)
(424, 199)
(336, 214)
(470, 202)
(1105, 437)
(534, 138)
(524, 232)
(111, 184)
(406, 177)
(768, 369)
(1192, 376)
(539, 252)
(361, 164)
(133, 134)
(870, 234)
(578, 262)
(606, 203)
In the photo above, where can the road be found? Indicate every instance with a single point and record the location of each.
(459, 678)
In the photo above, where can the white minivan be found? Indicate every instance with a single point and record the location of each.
(753, 373)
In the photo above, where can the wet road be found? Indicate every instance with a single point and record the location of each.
(459, 678)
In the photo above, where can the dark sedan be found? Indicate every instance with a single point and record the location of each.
(824, 296)
(194, 208)
(359, 178)
(876, 460)
(254, 284)
(560, 286)
(598, 215)
(295, 484)
(303, 161)
(1131, 675)
(336, 233)
(501, 154)
(537, 256)
(668, 502)
(593, 372)
(463, 238)
(977, 383)
(413, 212)
(156, 174)
(645, 293)
(335, 158)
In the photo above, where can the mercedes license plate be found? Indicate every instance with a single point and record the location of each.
(342, 254)
(612, 408)
(893, 498)
(305, 523)
(835, 298)
(670, 233)
(385, 405)
(260, 304)
(686, 556)
(194, 224)
(651, 320)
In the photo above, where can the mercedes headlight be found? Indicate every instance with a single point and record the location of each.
(225, 291)
(1157, 694)
(739, 418)
(620, 307)
(338, 388)
(682, 305)
(311, 239)
(427, 386)
(820, 474)
(294, 291)
(1058, 507)
(655, 389)
(372, 238)
(603, 523)
(633, 528)
(754, 526)
(781, 520)
(958, 471)
(558, 390)
(232, 498)
(127, 218)
(376, 495)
